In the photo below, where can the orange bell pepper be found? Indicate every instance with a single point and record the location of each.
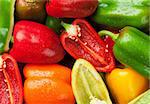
(47, 84)
(125, 84)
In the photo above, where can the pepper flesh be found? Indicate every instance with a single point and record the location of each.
(11, 90)
(6, 23)
(81, 41)
(118, 13)
(87, 84)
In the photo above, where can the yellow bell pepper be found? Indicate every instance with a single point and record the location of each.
(125, 84)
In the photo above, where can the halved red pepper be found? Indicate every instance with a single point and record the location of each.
(11, 89)
(80, 40)
(71, 8)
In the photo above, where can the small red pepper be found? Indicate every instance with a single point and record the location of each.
(11, 89)
(36, 43)
(71, 8)
(80, 40)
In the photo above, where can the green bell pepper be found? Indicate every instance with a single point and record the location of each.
(6, 23)
(132, 48)
(54, 23)
(120, 13)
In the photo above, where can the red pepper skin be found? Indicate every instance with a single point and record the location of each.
(36, 43)
(85, 43)
(11, 89)
(71, 8)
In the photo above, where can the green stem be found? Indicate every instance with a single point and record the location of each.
(111, 34)
(65, 25)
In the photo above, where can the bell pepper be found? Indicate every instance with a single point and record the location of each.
(132, 49)
(11, 89)
(118, 13)
(36, 43)
(53, 23)
(87, 84)
(71, 8)
(31, 10)
(126, 84)
(47, 84)
(80, 40)
(6, 23)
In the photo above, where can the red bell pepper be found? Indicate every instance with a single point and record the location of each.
(80, 40)
(36, 43)
(11, 89)
(71, 8)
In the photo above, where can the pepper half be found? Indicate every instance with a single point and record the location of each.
(6, 23)
(132, 49)
(87, 84)
(80, 40)
(11, 89)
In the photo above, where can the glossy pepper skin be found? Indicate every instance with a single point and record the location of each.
(36, 43)
(71, 8)
(31, 10)
(11, 89)
(125, 84)
(6, 23)
(47, 84)
(118, 13)
(80, 40)
(132, 49)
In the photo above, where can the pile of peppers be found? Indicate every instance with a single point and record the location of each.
(74, 51)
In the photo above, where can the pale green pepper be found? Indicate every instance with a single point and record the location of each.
(87, 84)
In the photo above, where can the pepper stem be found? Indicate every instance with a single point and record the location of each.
(111, 34)
(71, 29)
(65, 25)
